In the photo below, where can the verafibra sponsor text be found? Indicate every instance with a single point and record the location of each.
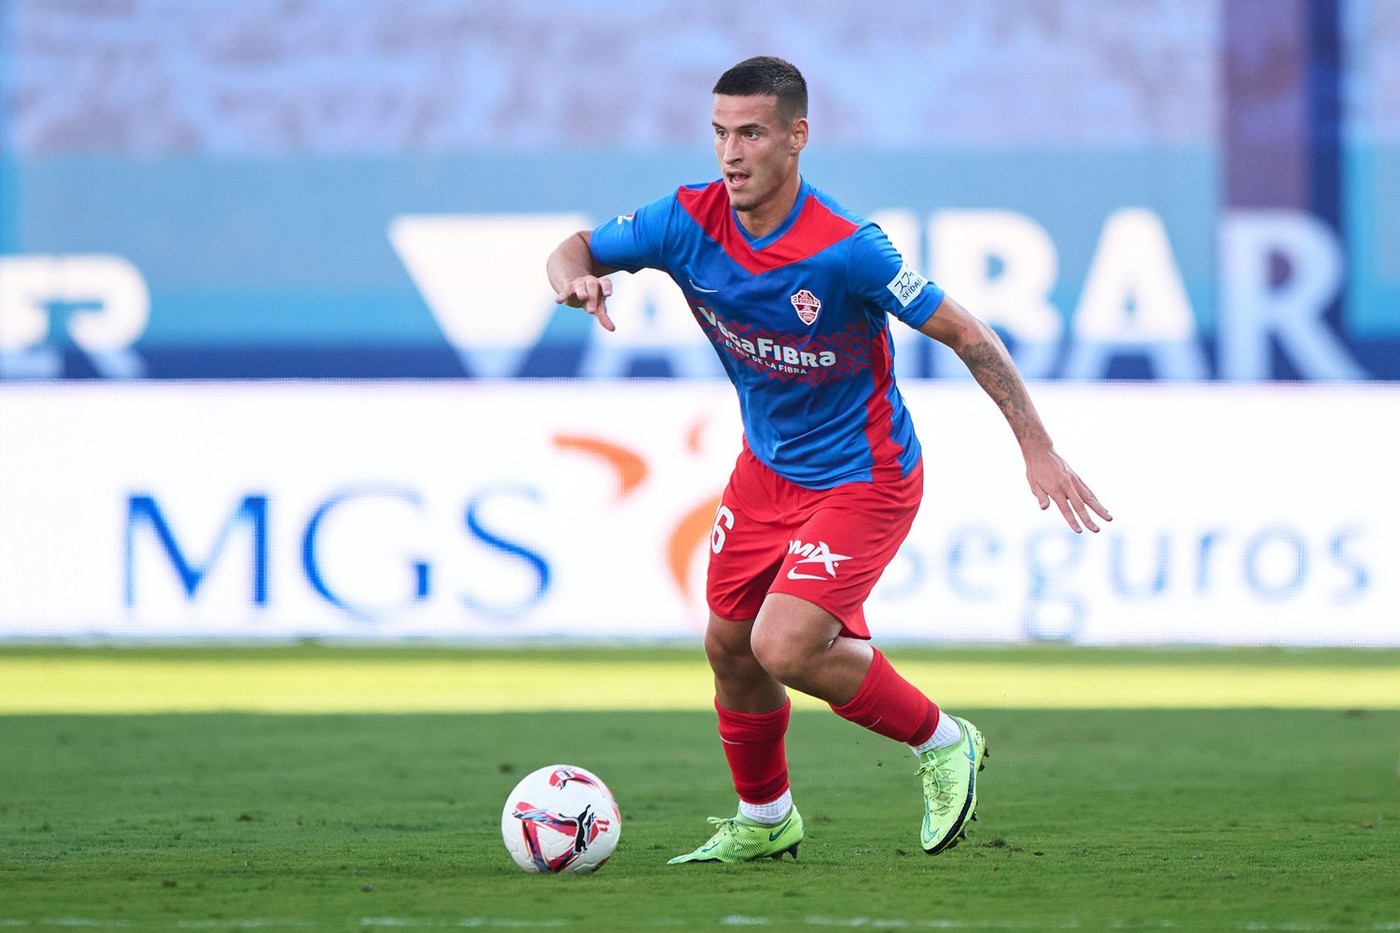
(766, 350)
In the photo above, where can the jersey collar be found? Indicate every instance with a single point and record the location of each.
(804, 190)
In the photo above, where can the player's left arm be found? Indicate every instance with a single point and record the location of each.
(986, 357)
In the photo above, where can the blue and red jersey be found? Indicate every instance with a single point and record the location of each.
(800, 320)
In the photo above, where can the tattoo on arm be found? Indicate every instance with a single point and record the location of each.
(994, 371)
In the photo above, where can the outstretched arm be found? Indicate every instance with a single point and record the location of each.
(981, 350)
(578, 280)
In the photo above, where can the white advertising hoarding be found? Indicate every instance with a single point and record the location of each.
(460, 510)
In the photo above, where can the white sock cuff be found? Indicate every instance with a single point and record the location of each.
(771, 812)
(946, 733)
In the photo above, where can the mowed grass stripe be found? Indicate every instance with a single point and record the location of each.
(108, 682)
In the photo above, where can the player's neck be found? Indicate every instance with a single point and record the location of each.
(764, 218)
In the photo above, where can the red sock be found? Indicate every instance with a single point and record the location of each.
(753, 744)
(890, 705)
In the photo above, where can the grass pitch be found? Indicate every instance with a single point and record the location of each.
(1271, 817)
(319, 679)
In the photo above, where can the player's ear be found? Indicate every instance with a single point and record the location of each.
(799, 134)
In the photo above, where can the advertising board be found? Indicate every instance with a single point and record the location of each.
(537, 510)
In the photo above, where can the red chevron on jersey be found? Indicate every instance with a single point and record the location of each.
(799, 319)
(815, 229)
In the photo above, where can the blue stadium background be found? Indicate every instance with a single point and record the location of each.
(246, 160)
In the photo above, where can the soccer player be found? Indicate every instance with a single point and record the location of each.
(795, 293)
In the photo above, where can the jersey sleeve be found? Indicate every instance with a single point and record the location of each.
(634, 241)
(882, 276)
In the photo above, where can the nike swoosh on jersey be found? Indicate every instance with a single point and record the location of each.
(792, 574)
(701, 288)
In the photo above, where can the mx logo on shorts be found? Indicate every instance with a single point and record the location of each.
(817, 553)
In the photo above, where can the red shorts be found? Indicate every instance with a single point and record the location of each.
(827, 546)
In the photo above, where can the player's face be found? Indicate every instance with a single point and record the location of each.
(757, 153)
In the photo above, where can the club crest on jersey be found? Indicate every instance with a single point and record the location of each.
(807, 305)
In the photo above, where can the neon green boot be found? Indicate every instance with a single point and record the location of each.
(950, 788)
(740, 839)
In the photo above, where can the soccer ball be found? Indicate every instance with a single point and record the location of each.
(561, 818)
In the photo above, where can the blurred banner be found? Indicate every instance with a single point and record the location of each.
(278, 357)
(1181, 190)
(516, 511)
(197, 269)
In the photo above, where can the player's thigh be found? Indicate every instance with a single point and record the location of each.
(839, 553)
(746, 551)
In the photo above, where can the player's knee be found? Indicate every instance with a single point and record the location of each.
(790, 639)
(729, 655)
(784, 659)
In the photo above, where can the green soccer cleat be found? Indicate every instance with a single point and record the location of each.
(740, 839)
(950, 788)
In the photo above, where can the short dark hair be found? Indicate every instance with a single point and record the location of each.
(763, 75)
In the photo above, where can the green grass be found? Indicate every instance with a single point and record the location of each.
(1139, 818)
(323, 679)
